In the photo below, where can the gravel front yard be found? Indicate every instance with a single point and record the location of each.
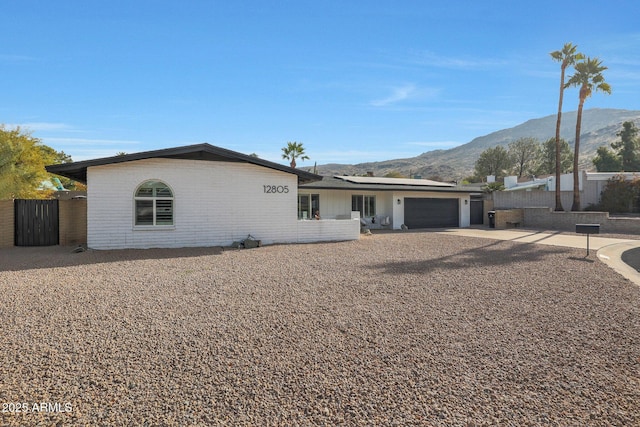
(394, 329)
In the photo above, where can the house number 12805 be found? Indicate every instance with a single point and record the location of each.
(276, 188)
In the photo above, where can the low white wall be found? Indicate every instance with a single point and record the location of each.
(328, 230)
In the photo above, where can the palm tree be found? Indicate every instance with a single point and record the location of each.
(567, 56)
(294, 150)
(589, 78)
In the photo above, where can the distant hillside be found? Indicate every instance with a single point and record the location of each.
(599, 127)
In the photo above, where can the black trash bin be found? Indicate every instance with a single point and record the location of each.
(492, 219)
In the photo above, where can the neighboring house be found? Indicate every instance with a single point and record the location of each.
(511, 184)
(198, 195)
(387, 202)
(590, 184)
(547, 183)
(598, 180)
(541, 192)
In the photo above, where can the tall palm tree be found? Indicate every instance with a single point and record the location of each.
(588, 76)
(294, 150)
(567, 56)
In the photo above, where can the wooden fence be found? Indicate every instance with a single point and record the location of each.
(35, 222)
(71, 223)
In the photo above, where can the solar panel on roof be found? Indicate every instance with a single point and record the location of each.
(393, 181)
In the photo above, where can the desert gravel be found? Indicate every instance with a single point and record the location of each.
(393, 329)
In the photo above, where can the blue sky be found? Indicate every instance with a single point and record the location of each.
(354, 81)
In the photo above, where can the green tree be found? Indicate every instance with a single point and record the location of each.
(22, 161)
(620, 194)
(588, 77)
(547, 159)
(294, 150)
(567, 56)
(627, 147)
(493, 161)
(53, 157)
(524, 154)
(606, 160)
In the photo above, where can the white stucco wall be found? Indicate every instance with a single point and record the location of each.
(215, 204)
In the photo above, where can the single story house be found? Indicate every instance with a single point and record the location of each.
(202, 195)
(393, 203)
(197, 195)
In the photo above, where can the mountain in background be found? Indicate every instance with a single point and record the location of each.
(599, 127)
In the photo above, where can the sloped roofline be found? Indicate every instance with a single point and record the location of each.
(207, 152)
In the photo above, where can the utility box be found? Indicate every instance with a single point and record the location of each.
(588, 228)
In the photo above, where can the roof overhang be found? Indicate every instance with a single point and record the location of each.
(206, 152)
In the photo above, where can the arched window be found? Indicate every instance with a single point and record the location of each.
(154, 204)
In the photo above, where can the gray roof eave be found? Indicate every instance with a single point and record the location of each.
(331, 184)
(78, 170)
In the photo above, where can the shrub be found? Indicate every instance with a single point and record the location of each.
(620, 195)
(493, 186)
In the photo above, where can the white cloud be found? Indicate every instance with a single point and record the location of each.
(404, 93)
(398, 94)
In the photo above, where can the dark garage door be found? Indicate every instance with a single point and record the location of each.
(430, 213)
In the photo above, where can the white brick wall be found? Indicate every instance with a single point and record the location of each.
(328, 230)
(215, 203)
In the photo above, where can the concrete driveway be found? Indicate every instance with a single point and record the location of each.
(608, 250)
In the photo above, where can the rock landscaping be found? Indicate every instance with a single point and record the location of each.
(393, 329)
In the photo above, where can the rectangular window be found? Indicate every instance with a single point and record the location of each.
(356, 204)
(369, 205)
(303, 206)
(366, 205)
(144, 212)
(164, 212)
(308, 205)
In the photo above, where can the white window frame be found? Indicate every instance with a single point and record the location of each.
(365, 213)
(311, 197)
(154, 199)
